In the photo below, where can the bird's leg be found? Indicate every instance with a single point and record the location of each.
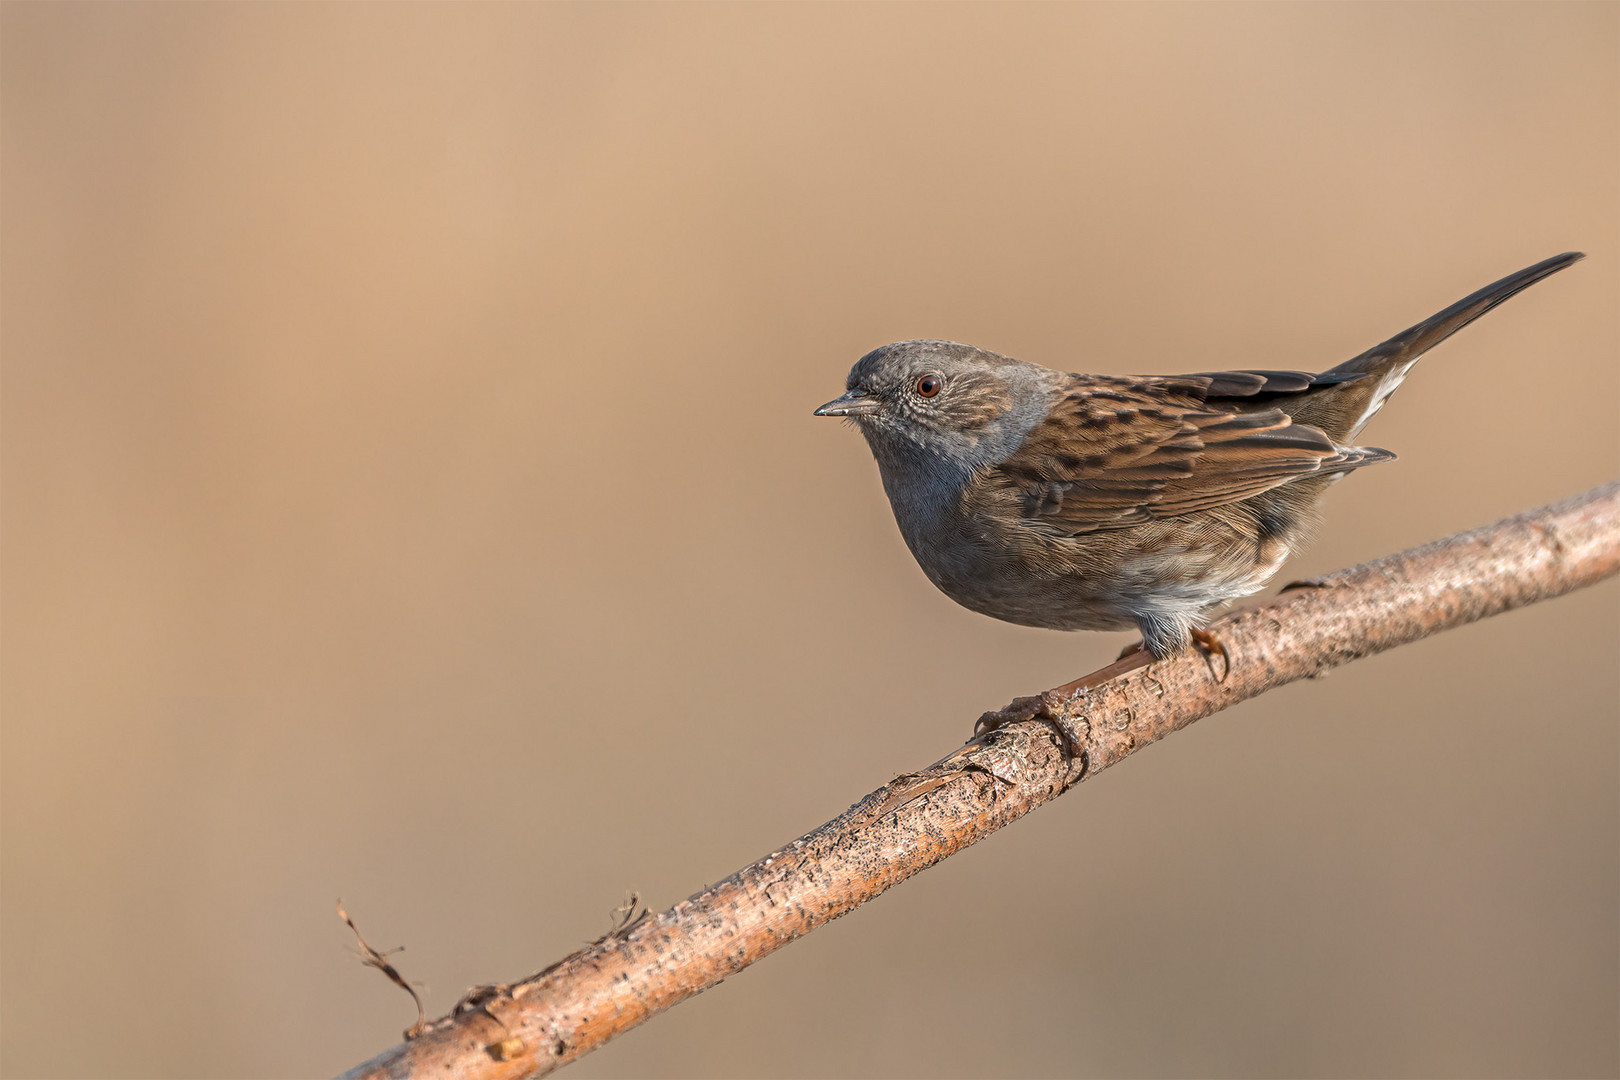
(1048, 705)
(1206, 641)
(1209, 643)
(1042, 706)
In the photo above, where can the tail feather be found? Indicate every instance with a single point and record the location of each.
(1386, 364)
(1413, 342)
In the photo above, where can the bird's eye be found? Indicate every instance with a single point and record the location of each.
(929, 385)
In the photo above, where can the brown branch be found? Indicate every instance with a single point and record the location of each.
(639, 969)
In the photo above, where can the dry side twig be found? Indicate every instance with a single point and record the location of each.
(372, 958)
(649, 964)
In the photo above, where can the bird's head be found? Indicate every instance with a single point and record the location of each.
(949, 399)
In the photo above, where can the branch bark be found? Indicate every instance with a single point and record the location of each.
(549, 1019)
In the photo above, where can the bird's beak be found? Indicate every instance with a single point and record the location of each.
(853, 403)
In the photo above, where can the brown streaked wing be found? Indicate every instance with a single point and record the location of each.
(1257, 384)
(1116, 452)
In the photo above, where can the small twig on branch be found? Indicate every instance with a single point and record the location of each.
(532, 1027)
(379, 960)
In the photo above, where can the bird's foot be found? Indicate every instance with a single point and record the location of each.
(1049, 705)
(1039, 707)
(1308, 583)
(1209, 643)
(1205, 641)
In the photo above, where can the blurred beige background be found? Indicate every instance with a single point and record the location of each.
(411, 495)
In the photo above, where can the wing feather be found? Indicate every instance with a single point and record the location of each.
(1118, 451)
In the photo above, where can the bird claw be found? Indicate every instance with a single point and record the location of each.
(1209, 643)
(1014, 712)
(1047, 707)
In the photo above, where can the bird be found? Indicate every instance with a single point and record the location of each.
(1118, 502)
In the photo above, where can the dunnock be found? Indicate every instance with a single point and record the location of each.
(1103, 502)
